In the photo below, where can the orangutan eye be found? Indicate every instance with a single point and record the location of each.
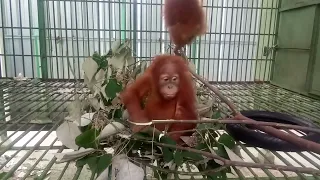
(174, 78)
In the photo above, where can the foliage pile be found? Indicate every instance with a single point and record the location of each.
(97, 130)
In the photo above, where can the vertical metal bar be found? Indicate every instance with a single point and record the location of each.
(205, 42)
(3, 36)
(77, 37)
(103, 30)
(110, 24)
(93, 32)
(275, 39)
(234, 44)
(210, 39)
(73, 67)
(120, 18)
(193, 54)
(230, 43)
(146, 32)
(61, 37)
(130, 21)
(87, 9)
(66, 31)
(247, 59)
(263, 43)
(1, 44)
(215, 37)
(240, 29)
(42, 39)
(268, 43)
(199, 55)
(55, 38)
(254, 40)
(134, 26)
(220, 36)
(12, 38)
(157, 28)
(257, 55)
(141, 35)
(244, 38)
(123, 19)
(161, 21)
(223, 47)
(83, 9)
(151, 29)
(47, 15)
(31, 38)
(21, 36)
(199, 49)
(99, 30)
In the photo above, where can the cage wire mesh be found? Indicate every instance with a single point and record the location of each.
(50, 39)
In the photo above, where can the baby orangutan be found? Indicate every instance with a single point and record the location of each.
(167, 85)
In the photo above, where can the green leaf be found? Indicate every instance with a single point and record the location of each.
(222, 151)
(227, 140)
(88, 139)
(134, 145)
(167, 140)
(103, 163)
(81, 162)
(202, 147)
(212, 133)
(100, 60)
(216, 115)
(167, 154)
(178, 158)
(194, 156)
(90, 160)
(212, 165)
(117, 114)
(112, 88)
(3, 174)
(143, 134)
(96, 163)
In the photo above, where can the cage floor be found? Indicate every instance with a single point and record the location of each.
(30, 113)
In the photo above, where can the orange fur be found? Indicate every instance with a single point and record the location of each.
(185, 20)
(182, 107)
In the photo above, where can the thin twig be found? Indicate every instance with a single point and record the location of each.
(228, 121)
(227, 162)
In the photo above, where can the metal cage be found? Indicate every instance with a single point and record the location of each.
(49, 40)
